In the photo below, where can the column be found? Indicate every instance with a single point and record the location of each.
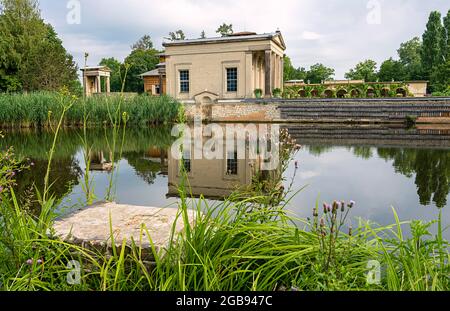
(108, 85)
(98, 84)
(248, 75)
(282, 72)
(268, 73)
(160, 84)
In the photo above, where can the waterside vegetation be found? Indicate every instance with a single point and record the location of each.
(42, 109)
(247, 242)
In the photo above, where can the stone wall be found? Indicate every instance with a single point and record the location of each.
(392, 110)
(234, 112)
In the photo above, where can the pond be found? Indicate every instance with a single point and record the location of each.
(379, 168)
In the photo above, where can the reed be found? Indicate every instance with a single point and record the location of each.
(42, 109)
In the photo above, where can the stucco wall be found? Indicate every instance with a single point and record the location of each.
(207, 68)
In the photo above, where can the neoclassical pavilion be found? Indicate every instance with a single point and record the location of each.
(92, 80)
(224, 68)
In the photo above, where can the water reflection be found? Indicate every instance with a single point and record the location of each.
(376, 167)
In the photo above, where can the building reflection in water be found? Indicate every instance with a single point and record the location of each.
(219, 177)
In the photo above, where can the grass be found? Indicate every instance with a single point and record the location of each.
(248, 242)
(42, 109)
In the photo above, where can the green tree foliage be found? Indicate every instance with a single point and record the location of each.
(144, 43)
(291, 73)
(225, 29)
(202, 35)
(409, 53)
(318, 73)
(141, 61)
(177, 35)
(431, 53)
(392, 70)
(115, 66)
(447, 37)
(440, 77)
(32, 56)
(366, 70)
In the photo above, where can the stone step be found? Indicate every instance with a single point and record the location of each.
(90, 227)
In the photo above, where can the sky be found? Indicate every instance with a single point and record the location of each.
(337, 33)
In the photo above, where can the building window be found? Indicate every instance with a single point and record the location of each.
(186, 162)
(184, 81)
(232, 163)
(157, 91)
(232, 80)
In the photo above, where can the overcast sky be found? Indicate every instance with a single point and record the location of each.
(337, 33)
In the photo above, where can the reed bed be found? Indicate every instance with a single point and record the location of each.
(42, 109)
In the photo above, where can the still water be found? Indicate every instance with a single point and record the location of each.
(380, 169)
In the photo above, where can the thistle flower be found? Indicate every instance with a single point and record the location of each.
(315, 212)
(335, 206)
(29, 262)
(322, 222)
(350, 231)
(351, 204)
(39, 261)
(342, 206)
(325, 208)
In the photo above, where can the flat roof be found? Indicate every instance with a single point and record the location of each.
(154, 72)
(231, 38)
(104, 68)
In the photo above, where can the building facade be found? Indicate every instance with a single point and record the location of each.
(228, 68)
(155, 80)
(357, 88)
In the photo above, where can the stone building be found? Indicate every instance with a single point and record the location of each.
(155, 80)
(94, 78)
(223, 69)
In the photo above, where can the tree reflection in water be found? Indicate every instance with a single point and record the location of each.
(431, 167)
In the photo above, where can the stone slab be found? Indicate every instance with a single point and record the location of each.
(90, 226)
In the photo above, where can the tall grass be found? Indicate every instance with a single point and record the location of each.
(244, 243)
(41, 108)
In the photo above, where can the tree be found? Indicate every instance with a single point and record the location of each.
(225, 29)
(446, 47)
(318, 73)
(440, 77)
(409, 53)
(391, 70)
(32, 56)
(291, 73)
(365, 70)
(140, 61)
(202, 35)
(116, 72)
(177, 35)
(431, 53)
(144, 43)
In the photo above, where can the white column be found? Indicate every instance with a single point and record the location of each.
(108, 85)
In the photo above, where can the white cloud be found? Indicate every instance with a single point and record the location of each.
(333, 32)
(311, 35)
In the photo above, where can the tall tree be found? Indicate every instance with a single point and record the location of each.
(431, 53)
(391, 70)
(116, 73)
(225, 29)
(140, 61)
(144, 43)
(447, 38)
(32, 56)
(366, 70)
(409, 53)
(318, 73)
(177, 35)
(292, 73)
(202, 35)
